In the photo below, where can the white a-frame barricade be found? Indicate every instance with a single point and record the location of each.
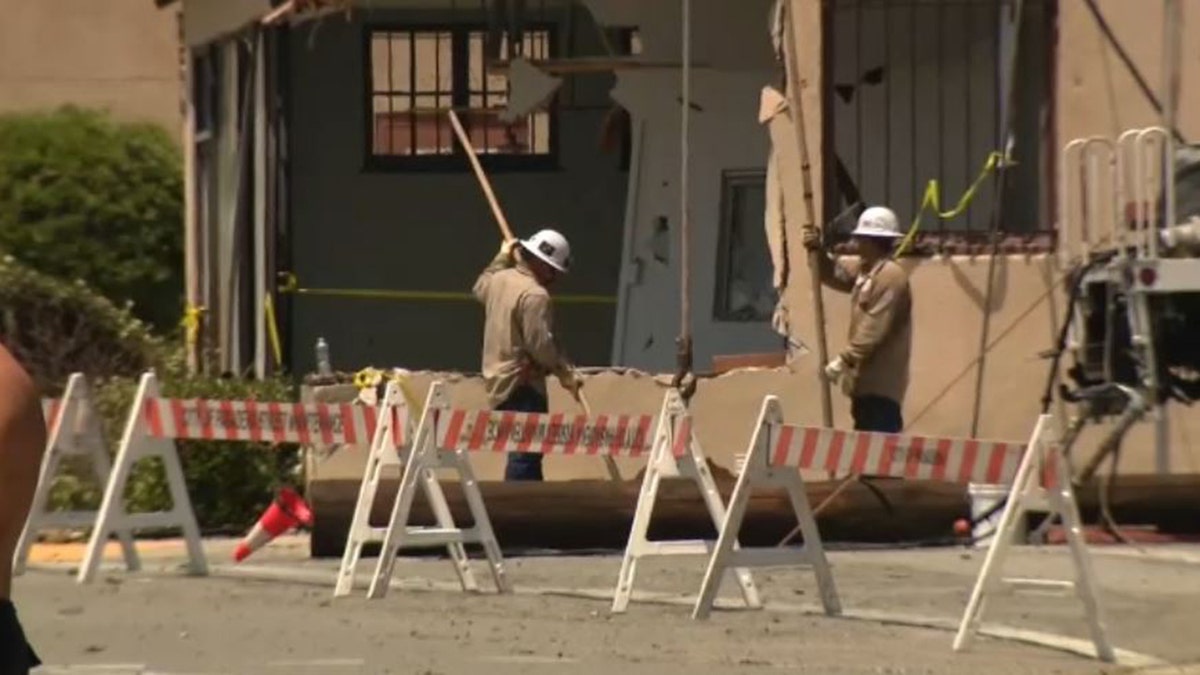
(438, 444)
(74, 429)
(761, 468)
(778, 452)
(675, 453)
(1041, 464)
(155, 423)
(389, 445)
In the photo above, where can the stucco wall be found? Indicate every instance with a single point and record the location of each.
(119, 55)
(1096, 92)
(429, 231)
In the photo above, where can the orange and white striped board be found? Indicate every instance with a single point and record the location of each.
(156, 422)
(777, 450)
(897, 456)
(304, 423)
(549, 434)
(447, 437)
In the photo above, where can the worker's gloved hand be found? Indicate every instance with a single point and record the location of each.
(570, 380)
(835, 369)
(811, 238)
(508, 249)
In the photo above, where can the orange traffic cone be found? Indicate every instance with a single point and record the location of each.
(287, 511)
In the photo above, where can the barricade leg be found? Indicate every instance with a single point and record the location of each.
(483, 522)
(137, 444)
(397, 527)
(647, 497)
(1062, 504)
(757, 471)
(74, 431)
(383, 453)
(423, 459)
(441, 513)
(675, 454)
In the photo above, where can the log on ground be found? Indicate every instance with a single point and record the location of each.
(596, 514)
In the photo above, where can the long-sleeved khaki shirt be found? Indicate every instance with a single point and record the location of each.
(880, 339)
(518, 339)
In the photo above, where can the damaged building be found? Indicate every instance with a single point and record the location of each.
(329, 199)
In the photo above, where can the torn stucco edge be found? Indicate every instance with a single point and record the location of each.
(773, 112)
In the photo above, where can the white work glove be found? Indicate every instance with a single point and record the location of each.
(570, 380)
(835, 369)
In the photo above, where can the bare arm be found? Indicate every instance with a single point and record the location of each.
(22, 441)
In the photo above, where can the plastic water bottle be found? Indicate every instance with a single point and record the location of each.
(324, 368)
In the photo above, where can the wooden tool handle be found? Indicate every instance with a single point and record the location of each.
(505, 230)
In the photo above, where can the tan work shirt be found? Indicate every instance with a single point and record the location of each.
(518, 340)
(880, 339)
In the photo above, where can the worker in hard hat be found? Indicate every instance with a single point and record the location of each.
(519, 346)
(22, 441)
(873, 367)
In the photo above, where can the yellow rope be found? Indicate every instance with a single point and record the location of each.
(191, 324)
(290, 284)
(933, 198)
(273, 329)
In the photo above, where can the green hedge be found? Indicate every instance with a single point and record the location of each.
(83, 196)
(57, 328)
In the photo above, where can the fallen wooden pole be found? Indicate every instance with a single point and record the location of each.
(597, 514)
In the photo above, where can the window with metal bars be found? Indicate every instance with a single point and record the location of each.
(416, 74)
(915, 92)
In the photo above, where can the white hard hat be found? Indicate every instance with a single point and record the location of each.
(877, 221)
(551, 248)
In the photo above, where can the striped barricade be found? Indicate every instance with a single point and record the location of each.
(388, 446)
(155, 423)
(73, 429)
(446, 437)
(778, 452)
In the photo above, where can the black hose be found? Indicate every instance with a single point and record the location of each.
(1060, 347)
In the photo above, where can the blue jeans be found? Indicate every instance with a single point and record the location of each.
(524, 465)
(876, 413)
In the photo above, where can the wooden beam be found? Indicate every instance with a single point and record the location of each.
(596, 514)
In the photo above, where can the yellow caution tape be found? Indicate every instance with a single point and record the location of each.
(191, 324)
(933, 200)
(290, 284)
(273, 329)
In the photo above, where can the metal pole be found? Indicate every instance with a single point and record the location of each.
(685, 279)
(1172, 56)
(684, 380)
(1006, 137)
